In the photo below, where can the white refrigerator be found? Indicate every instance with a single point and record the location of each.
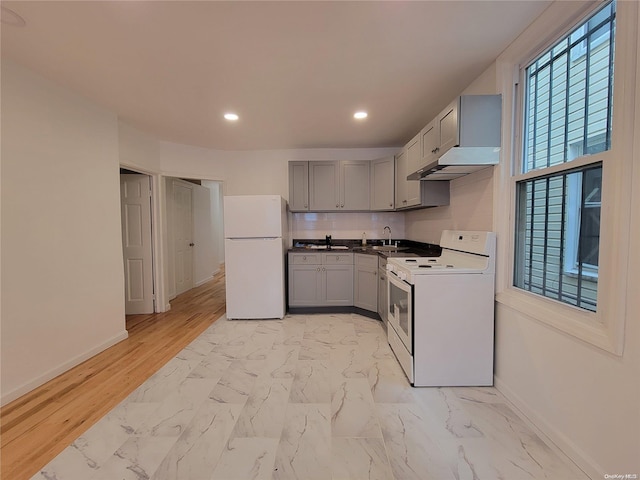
(255, 230)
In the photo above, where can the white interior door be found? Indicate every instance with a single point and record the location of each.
(135, 197)
(204, 249)
(183, 239)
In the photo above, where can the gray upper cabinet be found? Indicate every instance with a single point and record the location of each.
(354, 185)
(463, 138)
(382, 184)
(447, 123)
(414, 155)
(408, 192)
(401, 179)
(430, 136)
(339, 185)
(324, 186)
(299, 186)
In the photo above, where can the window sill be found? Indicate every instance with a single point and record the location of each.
(586, 274)
(581, 324)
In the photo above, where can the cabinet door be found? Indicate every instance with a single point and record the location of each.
(382, 183)
(305, 285)
(382, 296)
(337, 283)
(414, 154)
(448, 126)
(324, 182)
(298, 186)
(365, 282)
(430, 143)
(413, 193)
(354, 185)
(401, 179)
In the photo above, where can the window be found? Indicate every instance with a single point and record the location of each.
(567, 104)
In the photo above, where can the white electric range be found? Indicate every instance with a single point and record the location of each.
(441, 311)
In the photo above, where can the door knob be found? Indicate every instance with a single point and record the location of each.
(191, 244)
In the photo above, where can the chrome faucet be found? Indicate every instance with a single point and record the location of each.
(384, 230)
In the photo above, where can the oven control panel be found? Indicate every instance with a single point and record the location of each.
(480, 243)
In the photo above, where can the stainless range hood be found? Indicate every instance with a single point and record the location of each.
(463, 139)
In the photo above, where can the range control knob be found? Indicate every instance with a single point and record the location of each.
(402, 275)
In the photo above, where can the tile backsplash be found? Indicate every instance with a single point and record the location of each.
(341, 225)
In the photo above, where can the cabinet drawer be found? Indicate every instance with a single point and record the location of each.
(366, 261)
(305, 258)
(337, 258)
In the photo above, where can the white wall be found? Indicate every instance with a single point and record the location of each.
(138, 150)
(470, 208)
(62, 268)
(217, 224)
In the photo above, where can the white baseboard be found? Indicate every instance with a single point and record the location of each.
(54, 372)
(550, 435)
(202, 282)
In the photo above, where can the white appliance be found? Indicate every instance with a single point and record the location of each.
(255, 230)
(441, 312)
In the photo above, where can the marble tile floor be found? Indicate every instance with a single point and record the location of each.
(307, 397)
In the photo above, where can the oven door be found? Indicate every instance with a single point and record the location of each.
(400, 309)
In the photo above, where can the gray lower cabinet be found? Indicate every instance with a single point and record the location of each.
(320, 279)
(365, 293)
(337, 283)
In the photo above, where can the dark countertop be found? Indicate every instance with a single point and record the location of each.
(409, 248)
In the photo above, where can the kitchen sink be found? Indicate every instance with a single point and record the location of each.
(389, 248)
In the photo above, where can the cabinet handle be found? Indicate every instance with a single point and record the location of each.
(337, 205)
(437, 149)
(323, 269)
(304, 258)
(318, 269)
(341, 206)
(375, 273)
(305, 206)
(391, 204)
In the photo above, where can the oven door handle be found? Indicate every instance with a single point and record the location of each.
(399, 280)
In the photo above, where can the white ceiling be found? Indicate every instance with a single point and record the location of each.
(295, 72)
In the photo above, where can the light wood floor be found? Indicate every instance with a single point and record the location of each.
(39, 425)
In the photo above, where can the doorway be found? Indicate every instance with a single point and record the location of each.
(194, 232)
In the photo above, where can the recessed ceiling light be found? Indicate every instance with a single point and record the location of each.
(231, 117)
(360, 115)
